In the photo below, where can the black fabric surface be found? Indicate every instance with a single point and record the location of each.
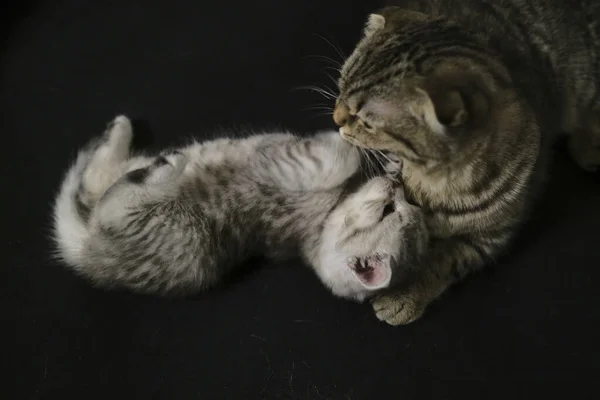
(526, 328)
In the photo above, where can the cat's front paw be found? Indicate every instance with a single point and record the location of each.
(398, 308)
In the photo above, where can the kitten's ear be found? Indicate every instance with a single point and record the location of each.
(455, 99)
(373, 272)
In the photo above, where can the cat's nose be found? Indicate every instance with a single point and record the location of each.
(341, 115)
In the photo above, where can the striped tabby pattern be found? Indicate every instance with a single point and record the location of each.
(180, 222)
(471, 94)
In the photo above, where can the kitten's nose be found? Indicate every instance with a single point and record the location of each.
(341, 115)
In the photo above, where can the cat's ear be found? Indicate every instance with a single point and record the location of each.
(391, 16)
(375, 23)
(455, 99)
(373, 272)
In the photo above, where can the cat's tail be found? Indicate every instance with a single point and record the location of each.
(70, 214)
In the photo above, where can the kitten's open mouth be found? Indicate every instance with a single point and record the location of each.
(373, 271)
(361, 265)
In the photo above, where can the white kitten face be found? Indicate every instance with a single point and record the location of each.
(364, 239)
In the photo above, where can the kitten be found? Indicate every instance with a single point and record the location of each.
(471, 94)
(180, 222)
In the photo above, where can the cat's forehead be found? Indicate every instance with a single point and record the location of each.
(375, 95)
(375, 71)
(387, 58)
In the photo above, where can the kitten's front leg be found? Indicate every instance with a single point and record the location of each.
(393, 168)
(447, 261)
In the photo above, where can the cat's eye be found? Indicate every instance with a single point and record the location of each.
(387, 210)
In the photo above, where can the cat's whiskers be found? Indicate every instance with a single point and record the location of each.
(319, 107)
(330, 68)
(385, 156)
(321, 114)
(335, 82)
(325, 92)
(337, 49)
(329, 60)
(371, 170)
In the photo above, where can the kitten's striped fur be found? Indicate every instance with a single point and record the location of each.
(471, 95)
(178, 223)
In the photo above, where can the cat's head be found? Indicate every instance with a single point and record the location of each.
(372, 239)
(423, 88)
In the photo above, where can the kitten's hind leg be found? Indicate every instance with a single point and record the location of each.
(107, 161)
(168, 167)
(156, 181)
(163, 171)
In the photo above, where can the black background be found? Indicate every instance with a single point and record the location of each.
(525, 328)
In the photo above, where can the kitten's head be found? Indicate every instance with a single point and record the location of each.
(372, 239)
(421, 87)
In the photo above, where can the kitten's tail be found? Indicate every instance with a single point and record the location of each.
(70, 214)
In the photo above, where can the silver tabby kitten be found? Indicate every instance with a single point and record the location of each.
(180, 222)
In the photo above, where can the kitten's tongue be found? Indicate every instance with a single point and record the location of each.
(373, 272)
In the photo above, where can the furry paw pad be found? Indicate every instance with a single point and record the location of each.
(397, 309)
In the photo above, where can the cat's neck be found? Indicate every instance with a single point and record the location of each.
(433, 185)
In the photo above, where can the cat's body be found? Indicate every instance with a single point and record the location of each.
(472, 95)
(551, 49)
(180, 222)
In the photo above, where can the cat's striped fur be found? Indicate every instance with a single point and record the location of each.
(178, 223)
(471, 94)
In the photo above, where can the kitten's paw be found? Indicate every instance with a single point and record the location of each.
(397, 308)
(378, 190)
(120, 129)
(107, 153)
(393, 168)
(119, 134)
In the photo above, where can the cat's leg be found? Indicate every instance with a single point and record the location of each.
(339, 160)
(383, 225)
(108, 156)
(146, 181)
(584, 141)
(446, 262)
(321, 162)
(147, 238)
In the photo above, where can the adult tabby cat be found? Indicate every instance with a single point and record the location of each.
(471, 94)
(178, 223)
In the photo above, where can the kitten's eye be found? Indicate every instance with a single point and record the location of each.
(367, 125)
(387, 210)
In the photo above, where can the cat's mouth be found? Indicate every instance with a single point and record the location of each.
(361, 265)
(373, 271)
